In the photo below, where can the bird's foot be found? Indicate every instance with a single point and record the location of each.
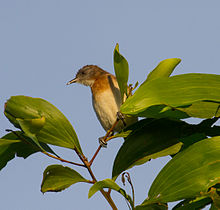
(121, 117)
(102, 142)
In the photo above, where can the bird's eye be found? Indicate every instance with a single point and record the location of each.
(83, 72)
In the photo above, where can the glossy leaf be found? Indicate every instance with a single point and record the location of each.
(163, 69)
(177, 96)
(57, 178)
(150, 138)
(121, 71)
(108, 183)
(189, 174)
(38, 118)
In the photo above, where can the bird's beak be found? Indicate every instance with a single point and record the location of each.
(72, 81)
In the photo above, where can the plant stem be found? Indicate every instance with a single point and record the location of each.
(44, 152)
(104, 139)
(63, 160)
(104, 193)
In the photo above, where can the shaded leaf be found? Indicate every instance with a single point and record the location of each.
(7, 152)
(38, 118)
(155, 206)
(121, 71)
(215, 197)
(178, 96)
(213, 131)
(150, 138)
(213, 207)
(189, 174)
(168, 151)
(57, 178)
(198, 203)
(11, 146)
(163, 69)
(108, 183)
(189, 140)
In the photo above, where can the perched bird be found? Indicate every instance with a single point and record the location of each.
(106, 97)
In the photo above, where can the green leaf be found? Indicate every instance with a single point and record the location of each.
(202, 109)
(108, 183)
(150, 138)
(57, 178)
(41, 121)
(168, 151)
(179, 96)
(11, 146)
(214, 194)
(155, 206)
(7, 152)
(188, 204)
(164, 69)
(121, 71)
(32, 127)
(189, 174)
(213, 207)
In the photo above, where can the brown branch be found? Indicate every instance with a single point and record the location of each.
(104, 139)
(83, 159)
(44, 152)
(62, 160)
(104, 193)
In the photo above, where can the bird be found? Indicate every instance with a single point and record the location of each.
(106, 96)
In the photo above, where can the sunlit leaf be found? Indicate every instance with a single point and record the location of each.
(164, 69)
(189, 174)
(57, 178)
(108, 183)
(32, 127)
(41, 121)
(179, 96)
(121, 71)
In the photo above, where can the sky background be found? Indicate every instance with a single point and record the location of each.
(42, 45)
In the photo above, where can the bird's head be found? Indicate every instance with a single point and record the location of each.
(87, 75)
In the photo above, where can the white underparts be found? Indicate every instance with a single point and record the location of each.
(106, 105)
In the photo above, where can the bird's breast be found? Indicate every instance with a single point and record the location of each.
(106, 99)
(106, 104)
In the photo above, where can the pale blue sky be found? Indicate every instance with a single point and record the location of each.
(42, 45)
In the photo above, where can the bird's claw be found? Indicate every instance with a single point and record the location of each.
(121, 117)
(102, 142)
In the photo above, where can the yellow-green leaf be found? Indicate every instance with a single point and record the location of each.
(164, 69)
(57, 178)
(41, 121)
(121, 71)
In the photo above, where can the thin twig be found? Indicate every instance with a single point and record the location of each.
(44, 152)
(104, 193)
(62, 160)
(104, 139)
(127, 175)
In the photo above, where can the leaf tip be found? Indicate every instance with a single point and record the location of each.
(117, 47)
